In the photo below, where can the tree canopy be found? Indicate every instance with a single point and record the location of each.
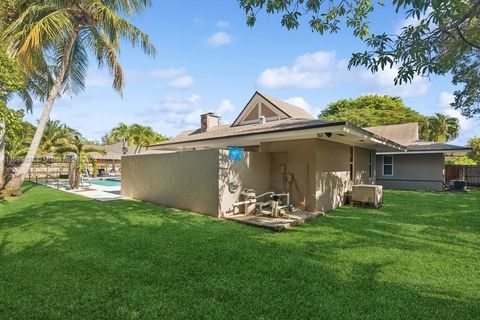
(474, 143)
(441, 128)
(372, 111)
(440, 37)
(375, 110)
(53, 41)
(135, 134)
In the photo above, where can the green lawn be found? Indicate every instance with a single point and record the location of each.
(66, 257)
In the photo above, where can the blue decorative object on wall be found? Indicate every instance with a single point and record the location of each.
(235, 153)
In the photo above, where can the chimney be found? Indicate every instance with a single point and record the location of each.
(208, 121)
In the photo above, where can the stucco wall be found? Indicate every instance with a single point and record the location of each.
(184, 180)
(298, 157)
(413, 171)
(361, 166)
(333, 174)
(252, 172)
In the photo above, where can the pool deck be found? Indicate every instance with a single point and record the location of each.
(92, 191)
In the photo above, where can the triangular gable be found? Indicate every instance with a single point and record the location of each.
(259, 106)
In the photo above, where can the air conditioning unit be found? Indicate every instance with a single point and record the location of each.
(367, 195)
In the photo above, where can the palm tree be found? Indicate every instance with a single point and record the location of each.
(442, 128)
(52, 40)
(56, 135)
(82, 154)
(122, 131)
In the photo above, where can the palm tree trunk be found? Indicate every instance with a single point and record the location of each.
(18, 178)
(2, 153)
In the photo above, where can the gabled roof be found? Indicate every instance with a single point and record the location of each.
(291, 110)
(287, 110)
(226, 130)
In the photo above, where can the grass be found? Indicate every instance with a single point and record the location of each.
(67, 257)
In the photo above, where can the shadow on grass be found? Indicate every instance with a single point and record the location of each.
(67, 257)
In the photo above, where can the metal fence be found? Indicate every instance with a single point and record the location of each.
(471, 174)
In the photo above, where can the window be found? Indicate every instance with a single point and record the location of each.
(370, 164)
(351, 163)
(388, 165)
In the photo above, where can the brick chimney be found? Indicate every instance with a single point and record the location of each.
(208, 121)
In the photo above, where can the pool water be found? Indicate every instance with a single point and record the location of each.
(106, 182)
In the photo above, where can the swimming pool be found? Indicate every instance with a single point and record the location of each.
(106, 182)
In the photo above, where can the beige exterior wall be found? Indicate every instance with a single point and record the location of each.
(298, 159)
(313, 171)
(184, 180)
(252, 172)
(362, 166)
(332, 175)
(320, 169)
(413, 171)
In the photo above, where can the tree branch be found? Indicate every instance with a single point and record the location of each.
(465, 39)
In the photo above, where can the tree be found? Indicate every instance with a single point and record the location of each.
(122, 131)
(371, 111)
(135, 134)
(474, 143)
(56, 135)
(53, 39)
(11, 81)
(10, 125)
(81, 153)
(460, 161)
(442, 128)
(444, 37)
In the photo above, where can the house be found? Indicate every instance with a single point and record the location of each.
(110, 162)
(422, 167)
(271, 146)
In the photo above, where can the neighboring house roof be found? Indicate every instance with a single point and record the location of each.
(400, 133)
(408, 134)
(115, 152)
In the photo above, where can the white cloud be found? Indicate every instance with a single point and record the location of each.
(168, 73)
(95, 79)
(181, 82)
(223, 24)
(300, 102)
(311, 70)
(382, 82)
(219, 39)
(177, 78)
(173, 111)
(322, 69)
(225, 107)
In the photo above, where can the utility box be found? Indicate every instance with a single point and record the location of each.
(367, 195)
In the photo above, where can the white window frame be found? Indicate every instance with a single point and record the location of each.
(383, 165)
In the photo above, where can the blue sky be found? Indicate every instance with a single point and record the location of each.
(209, 60)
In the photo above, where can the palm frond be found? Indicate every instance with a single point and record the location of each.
(76, 73)
(40, 26)
(106, 54)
